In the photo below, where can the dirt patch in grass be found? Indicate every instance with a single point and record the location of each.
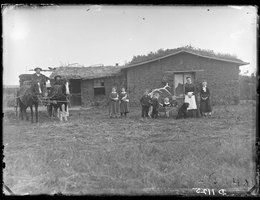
(93, 154)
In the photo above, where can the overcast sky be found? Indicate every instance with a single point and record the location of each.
(92, 34)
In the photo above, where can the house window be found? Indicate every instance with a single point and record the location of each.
(99, 87)
(179, 82)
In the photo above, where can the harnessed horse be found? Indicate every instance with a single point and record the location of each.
(59, 94)
(29, 95)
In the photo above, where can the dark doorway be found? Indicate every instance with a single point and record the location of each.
(75, 91)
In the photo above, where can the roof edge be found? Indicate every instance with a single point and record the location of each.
(183, 50)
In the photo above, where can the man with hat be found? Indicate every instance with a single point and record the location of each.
(38, 77)
(57, 80)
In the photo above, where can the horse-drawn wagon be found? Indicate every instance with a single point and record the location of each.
(33, 93)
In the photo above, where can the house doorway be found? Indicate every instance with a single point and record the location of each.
(75, 91)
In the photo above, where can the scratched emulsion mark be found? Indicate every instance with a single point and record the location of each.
(3, 166)
(207, 191)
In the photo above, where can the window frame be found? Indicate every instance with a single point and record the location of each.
(99, 88)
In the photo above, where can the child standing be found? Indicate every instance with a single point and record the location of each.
(124, 102)
(145, 103)
(155, 103)
(113, 103)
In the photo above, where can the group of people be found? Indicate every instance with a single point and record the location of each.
(119, 103)
(190, 92)
(189, 107)
(151, 105)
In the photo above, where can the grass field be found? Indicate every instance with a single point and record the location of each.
(92, 154)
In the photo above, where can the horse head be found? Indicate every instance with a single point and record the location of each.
(39, 88)
(67, 87)
(60, 89)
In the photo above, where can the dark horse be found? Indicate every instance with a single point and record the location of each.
(59, 97)
(29, 95)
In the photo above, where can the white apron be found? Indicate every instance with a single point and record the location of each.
(192, 102)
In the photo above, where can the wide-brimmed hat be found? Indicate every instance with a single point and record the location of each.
(37, 68)
(55, 77)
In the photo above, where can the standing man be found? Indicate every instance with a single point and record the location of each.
(38, 77)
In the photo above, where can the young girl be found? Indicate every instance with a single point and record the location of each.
(124, 102)
(113, 103)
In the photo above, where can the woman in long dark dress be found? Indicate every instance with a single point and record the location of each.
(124, 102)
(205, 106)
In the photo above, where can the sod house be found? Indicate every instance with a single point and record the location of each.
(221, 71)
